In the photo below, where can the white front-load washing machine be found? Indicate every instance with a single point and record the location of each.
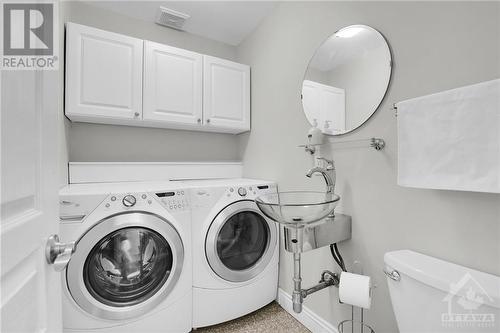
(132, 268)
(235, 250)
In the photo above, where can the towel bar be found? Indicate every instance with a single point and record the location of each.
(377, 143)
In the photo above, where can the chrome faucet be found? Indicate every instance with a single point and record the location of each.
(328, 174)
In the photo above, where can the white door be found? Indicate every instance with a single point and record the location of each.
(333, 109)
(226, 94)
(103, 74)
(30, 288)
(311, 102)
(172, 84)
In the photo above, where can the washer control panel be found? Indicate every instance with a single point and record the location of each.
(248, 192)
(173, 200)
(129, 200)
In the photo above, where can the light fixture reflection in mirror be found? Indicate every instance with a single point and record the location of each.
(348, 32)
(346, 79)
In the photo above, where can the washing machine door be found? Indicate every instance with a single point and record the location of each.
(240, 242)
(125, 265)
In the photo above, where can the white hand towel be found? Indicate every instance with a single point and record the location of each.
(451, 140)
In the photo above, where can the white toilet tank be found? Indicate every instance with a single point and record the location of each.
(433, 295)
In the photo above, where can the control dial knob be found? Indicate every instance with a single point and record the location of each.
(242, 191)
(128, 200)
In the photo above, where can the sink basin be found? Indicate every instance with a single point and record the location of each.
(297, 209)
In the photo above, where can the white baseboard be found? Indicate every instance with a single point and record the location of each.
(307, 317)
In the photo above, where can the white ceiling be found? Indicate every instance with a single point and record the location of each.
(229, 22)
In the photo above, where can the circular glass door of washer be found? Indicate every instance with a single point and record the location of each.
(128, 266)
(242, 240)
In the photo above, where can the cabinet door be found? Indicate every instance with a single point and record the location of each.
(333, 109)
(172, 84)
(311, 96)
(103, 74)
(226, 94)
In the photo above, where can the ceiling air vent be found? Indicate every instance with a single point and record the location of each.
(171, 18)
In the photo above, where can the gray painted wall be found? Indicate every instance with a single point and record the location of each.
(93, 142)
(436, 46)
(313, 74)
(364, 80)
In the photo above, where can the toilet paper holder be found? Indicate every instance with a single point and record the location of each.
(344, 324)
(362, 326)
(356, 325)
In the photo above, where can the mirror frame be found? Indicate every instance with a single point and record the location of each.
(389, 81)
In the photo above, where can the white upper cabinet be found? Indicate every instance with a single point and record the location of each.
(173, 83)
(116, 79)
(226, 94)
(325, 106)
(103, 75)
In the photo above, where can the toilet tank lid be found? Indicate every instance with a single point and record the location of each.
(446, 276)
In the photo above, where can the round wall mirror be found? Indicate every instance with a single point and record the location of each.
(346, 79)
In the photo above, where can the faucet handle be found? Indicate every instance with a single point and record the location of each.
(329, 163)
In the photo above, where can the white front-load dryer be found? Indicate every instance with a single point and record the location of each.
(235, 250)
(132, 268)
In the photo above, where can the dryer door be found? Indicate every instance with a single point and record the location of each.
(125, 265)
(240, 242)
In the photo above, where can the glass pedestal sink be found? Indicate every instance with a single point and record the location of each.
(298, 209)
(309, 222)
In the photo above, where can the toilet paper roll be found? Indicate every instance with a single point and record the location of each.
(355, 289)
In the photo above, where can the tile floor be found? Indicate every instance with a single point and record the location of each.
(271, 318)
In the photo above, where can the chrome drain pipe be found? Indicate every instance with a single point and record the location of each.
(297, 284)
(327, 279)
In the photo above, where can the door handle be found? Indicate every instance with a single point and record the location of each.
(57, 253)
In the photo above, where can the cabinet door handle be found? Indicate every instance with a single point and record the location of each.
(208, 121)
(137, 114)
(198, 120)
